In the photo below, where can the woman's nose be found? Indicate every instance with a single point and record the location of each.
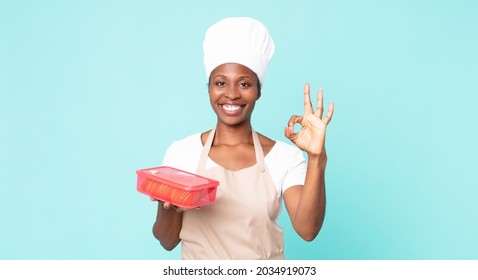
(232, 93)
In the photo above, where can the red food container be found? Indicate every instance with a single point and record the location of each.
(180, 188)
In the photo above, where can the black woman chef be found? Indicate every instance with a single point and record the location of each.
(255, 172)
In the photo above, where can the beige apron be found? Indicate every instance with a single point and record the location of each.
(242, 223)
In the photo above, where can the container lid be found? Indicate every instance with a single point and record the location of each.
(178, 178)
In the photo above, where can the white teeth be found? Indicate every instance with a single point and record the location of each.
(228, 107)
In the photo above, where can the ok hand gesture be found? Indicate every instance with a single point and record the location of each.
(311, 137)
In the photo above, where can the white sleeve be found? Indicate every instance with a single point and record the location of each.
(184, 154)
(169, 156)
(296, 169)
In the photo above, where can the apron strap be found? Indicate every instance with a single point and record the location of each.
(206, 149)
(257, 148)
(259, 153)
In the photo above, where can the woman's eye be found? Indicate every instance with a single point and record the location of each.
(244, 85)
(220, 84)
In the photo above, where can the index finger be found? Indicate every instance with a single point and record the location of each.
(307, 103)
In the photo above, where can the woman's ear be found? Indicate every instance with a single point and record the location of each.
(259, 88)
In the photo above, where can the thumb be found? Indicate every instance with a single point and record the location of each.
(167, 205)
(289, 133)
(289, 130)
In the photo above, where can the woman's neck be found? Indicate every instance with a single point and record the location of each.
(233, 135)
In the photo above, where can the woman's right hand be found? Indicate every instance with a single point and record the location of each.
(168, 205)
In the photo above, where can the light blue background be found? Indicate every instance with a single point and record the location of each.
(90, 91)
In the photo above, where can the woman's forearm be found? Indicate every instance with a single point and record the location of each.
(310, 212)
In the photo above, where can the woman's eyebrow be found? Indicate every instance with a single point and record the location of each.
(246, 77)
(226, 77)
(219, 75)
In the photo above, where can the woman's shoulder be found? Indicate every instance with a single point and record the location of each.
(266, 143)
(188, 139)
(284, 149)
(184, 153)
(279, 149)
(287, 165)
(186, 144)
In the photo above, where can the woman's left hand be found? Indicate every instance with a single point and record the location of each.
(311, 137)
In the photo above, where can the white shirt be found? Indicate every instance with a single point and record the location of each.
(286, 163)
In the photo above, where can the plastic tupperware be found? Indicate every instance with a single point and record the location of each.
(180, 188)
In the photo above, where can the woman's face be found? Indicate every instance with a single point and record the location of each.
(233, 91)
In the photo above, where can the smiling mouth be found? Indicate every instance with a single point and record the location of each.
(231, 109)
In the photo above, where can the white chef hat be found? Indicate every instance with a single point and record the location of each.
(241, 40)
